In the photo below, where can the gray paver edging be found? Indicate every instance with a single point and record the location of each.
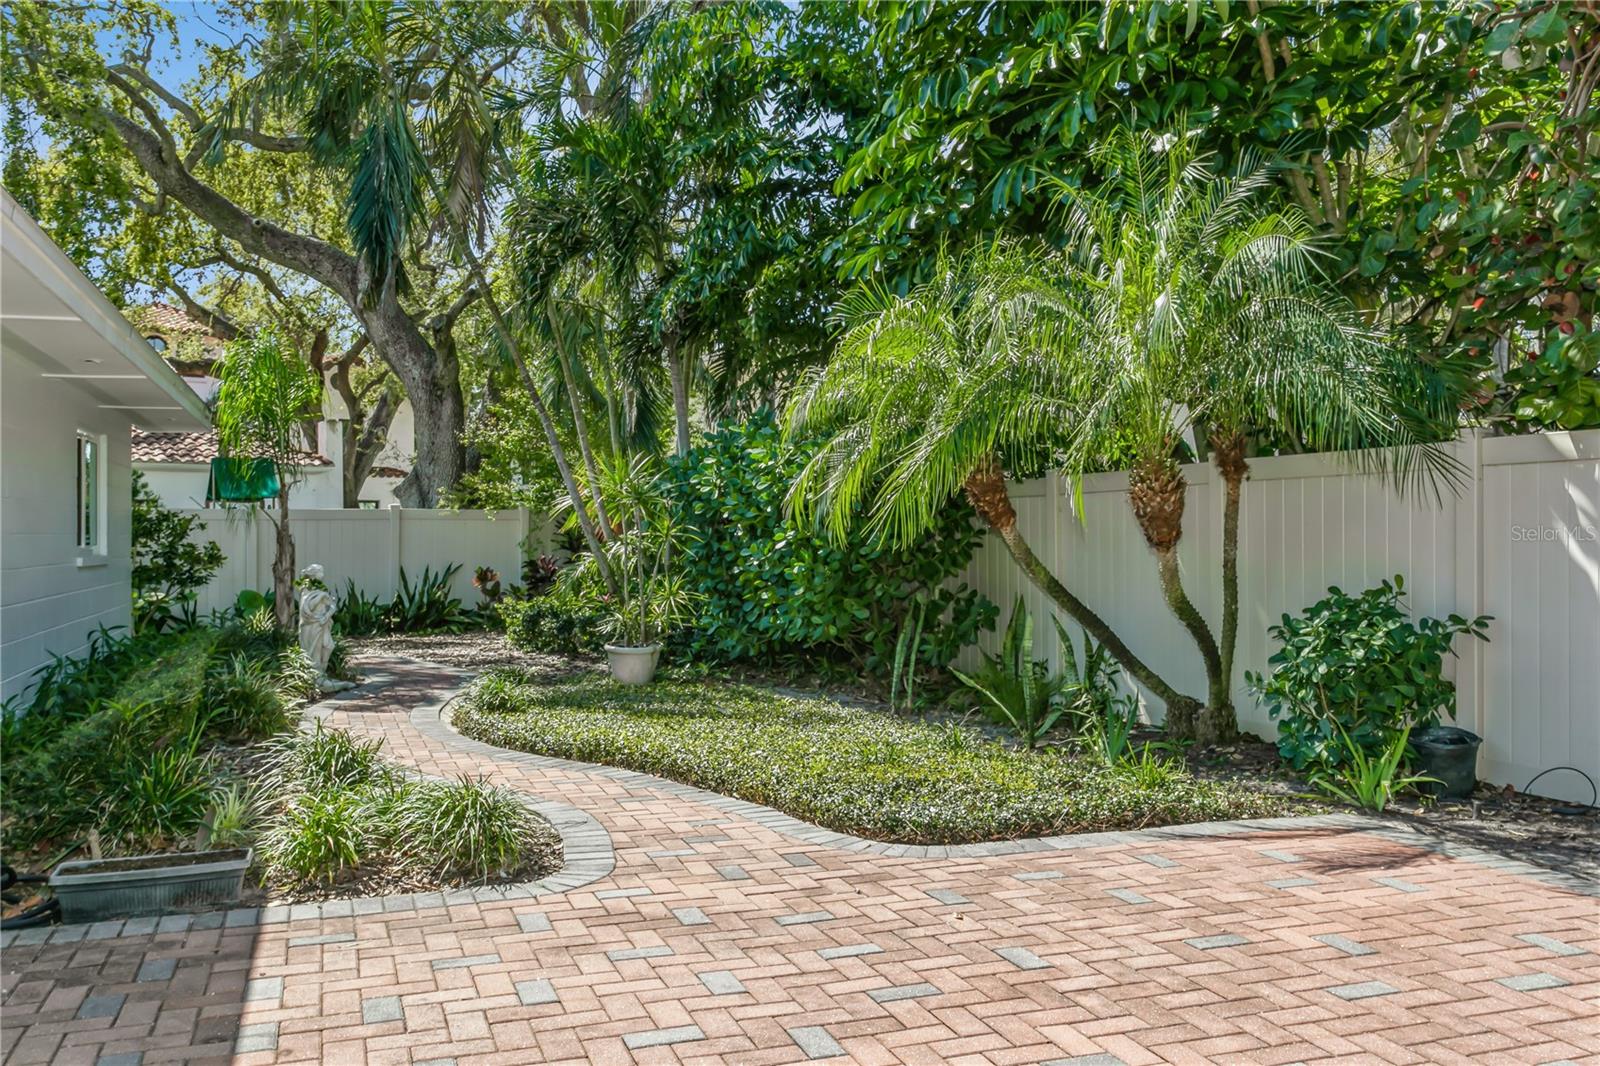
(433, 721)
(587, 852)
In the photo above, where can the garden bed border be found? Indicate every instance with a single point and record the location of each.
(433, 721)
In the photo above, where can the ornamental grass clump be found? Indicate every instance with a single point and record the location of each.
(339, 813)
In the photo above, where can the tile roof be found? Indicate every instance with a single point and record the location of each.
(164, 318)
(151, 447)
(388, 471)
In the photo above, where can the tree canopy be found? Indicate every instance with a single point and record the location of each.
(670, 202)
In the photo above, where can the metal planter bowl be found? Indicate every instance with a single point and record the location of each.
(95, 889)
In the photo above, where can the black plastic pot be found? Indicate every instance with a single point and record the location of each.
(1449, 754)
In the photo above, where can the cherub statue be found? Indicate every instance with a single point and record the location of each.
(317, 605)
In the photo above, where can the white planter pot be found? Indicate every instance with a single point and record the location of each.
(633, 666)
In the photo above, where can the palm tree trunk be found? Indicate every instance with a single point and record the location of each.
(1156, 494)
(1228, 452)
(1181, 606)
(986, 489)
(678, 365)
(563, 467)
(283, 561)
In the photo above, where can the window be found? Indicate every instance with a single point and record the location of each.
(90, 508)
(157, 342)
(367, 505)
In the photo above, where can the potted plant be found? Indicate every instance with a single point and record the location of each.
(651, 596)
(95, 889)
(1352, 673)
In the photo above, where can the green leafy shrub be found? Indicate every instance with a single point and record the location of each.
(427, 604)
(1017, 690)
(1367, 780)
(421, 606)
(1358, 667)
(555, 622)
(336, 811)
(767, 585)
(162, 803)
(359, 615)
(169, 566)
(232, 817)
(245, 698)
(854, 770)
(115, 740)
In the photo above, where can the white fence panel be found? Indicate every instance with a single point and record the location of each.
(1520, 540)
(367, 547)
(1540, 704)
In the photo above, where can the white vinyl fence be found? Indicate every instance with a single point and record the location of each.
(367, 547)
(1520, 541)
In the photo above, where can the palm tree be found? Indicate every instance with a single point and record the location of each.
(264, 396)
(937, 394)
(1199, 315)
(1182, 309)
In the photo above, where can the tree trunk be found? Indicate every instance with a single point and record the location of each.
(431, 379)
(431, 376)
(546, 422)
(1181, 606)
(363, 442)
(283, 561)
(1156, 494)
(677, 364)
(580, 424)
(1228, 452)
(986, 489)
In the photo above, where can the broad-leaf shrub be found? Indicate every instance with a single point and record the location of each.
(1358, 666)
(557, 621)
(767, 585)
(169, 567)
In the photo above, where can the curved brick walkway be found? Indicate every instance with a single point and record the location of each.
(721, 935)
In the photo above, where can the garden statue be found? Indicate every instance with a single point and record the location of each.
(317, 605)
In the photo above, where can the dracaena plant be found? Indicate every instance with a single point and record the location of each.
(642, 548)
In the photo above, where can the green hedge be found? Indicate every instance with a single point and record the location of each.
(104, 740)
(852, 770)
(768, 585)
(551, 622)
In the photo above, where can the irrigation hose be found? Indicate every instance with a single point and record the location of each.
(38, 914)
(1571, 809)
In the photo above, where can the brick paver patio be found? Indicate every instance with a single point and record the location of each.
(721, 936)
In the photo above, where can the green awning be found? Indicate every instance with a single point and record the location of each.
(242, 480)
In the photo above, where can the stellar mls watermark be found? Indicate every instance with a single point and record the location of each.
(1579, 534)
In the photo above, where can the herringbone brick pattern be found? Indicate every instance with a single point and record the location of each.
(718, 940)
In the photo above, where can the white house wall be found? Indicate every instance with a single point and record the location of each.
(49, 605)
(181, 486)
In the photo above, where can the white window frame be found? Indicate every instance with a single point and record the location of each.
(89, 515)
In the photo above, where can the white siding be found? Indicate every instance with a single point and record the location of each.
(1520, 541)
(49, 605)
(181, 486)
